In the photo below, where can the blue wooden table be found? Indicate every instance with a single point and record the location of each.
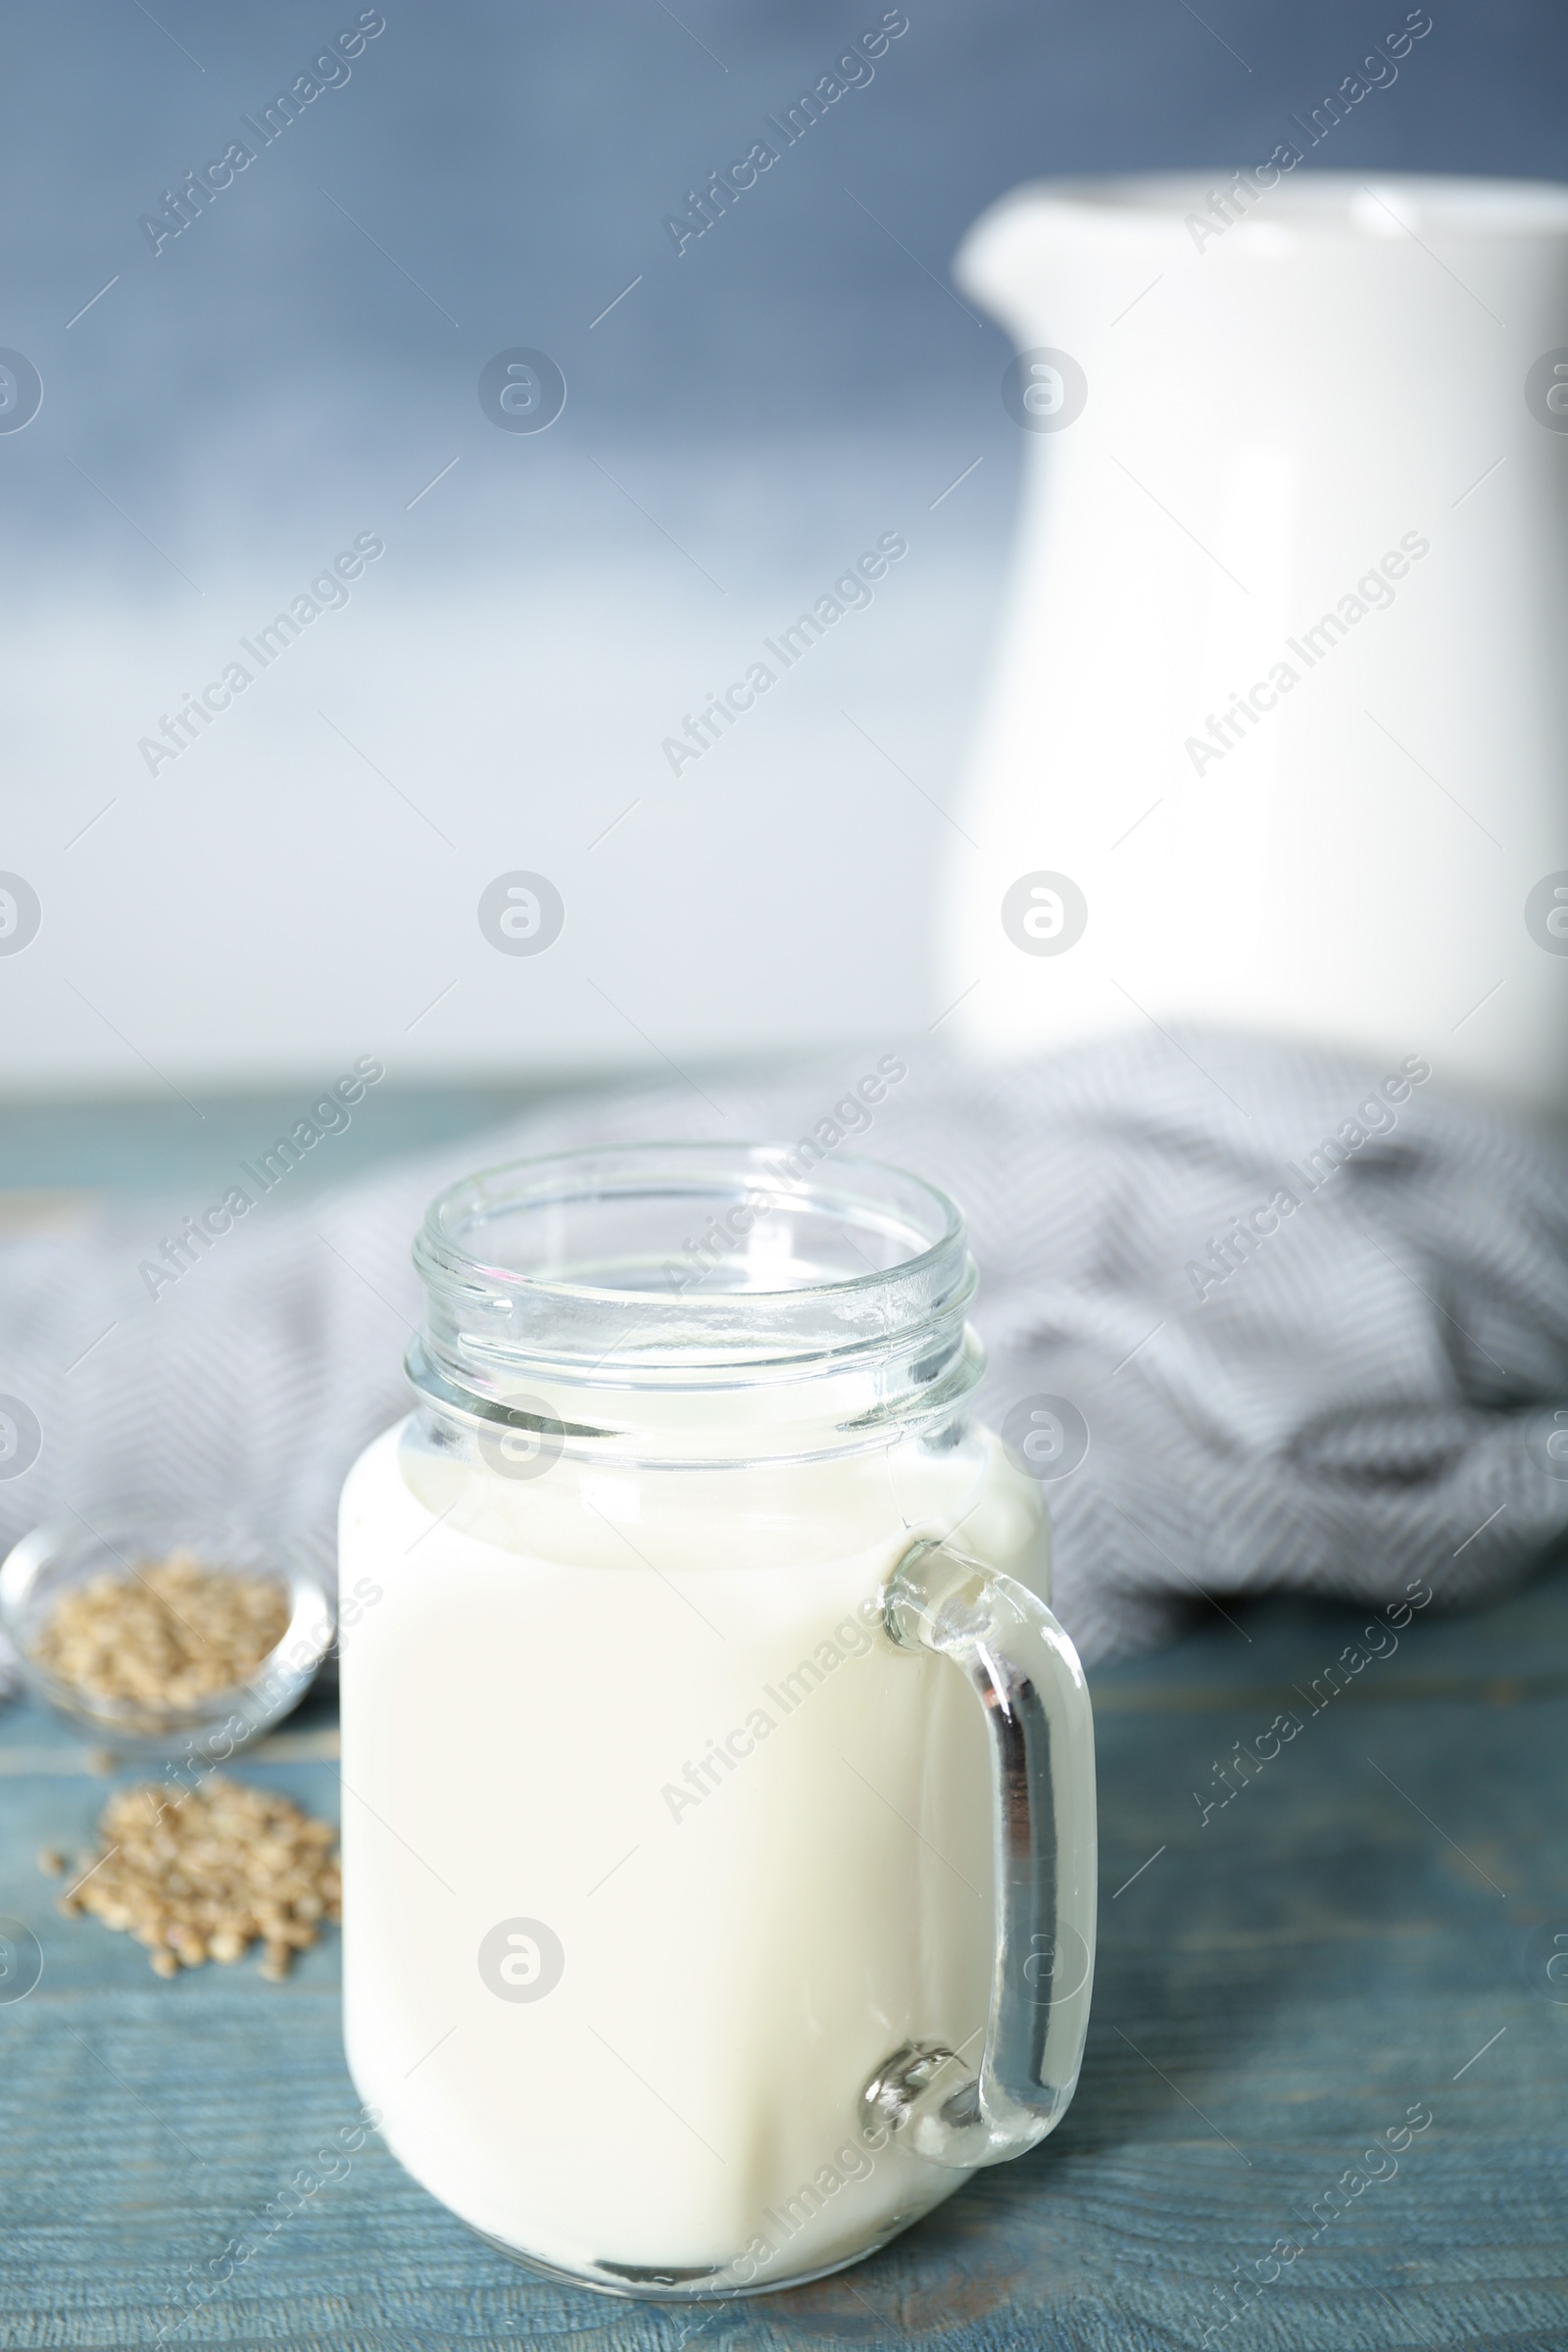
(1328, 2063)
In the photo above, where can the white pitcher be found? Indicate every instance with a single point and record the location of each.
(1278, 734)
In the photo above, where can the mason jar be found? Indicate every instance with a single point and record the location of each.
(719, 1836)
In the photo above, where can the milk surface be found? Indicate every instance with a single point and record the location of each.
(656, 1715)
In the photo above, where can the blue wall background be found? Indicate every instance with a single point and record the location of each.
(302, 359)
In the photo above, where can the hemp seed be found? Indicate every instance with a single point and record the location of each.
(168, 1634)
(202, 1877)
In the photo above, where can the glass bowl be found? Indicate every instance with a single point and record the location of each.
(52, 1561)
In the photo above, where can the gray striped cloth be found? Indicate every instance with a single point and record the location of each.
(1264, 1318)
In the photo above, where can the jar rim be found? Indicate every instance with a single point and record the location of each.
(636, 1164)
(541, 1259)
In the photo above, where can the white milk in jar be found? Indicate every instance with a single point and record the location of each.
(686, 1951)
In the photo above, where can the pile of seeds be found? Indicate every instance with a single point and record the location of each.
(168, 1634)
(200, 1876)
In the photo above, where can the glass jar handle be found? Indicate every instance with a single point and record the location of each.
(1028, 1679)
